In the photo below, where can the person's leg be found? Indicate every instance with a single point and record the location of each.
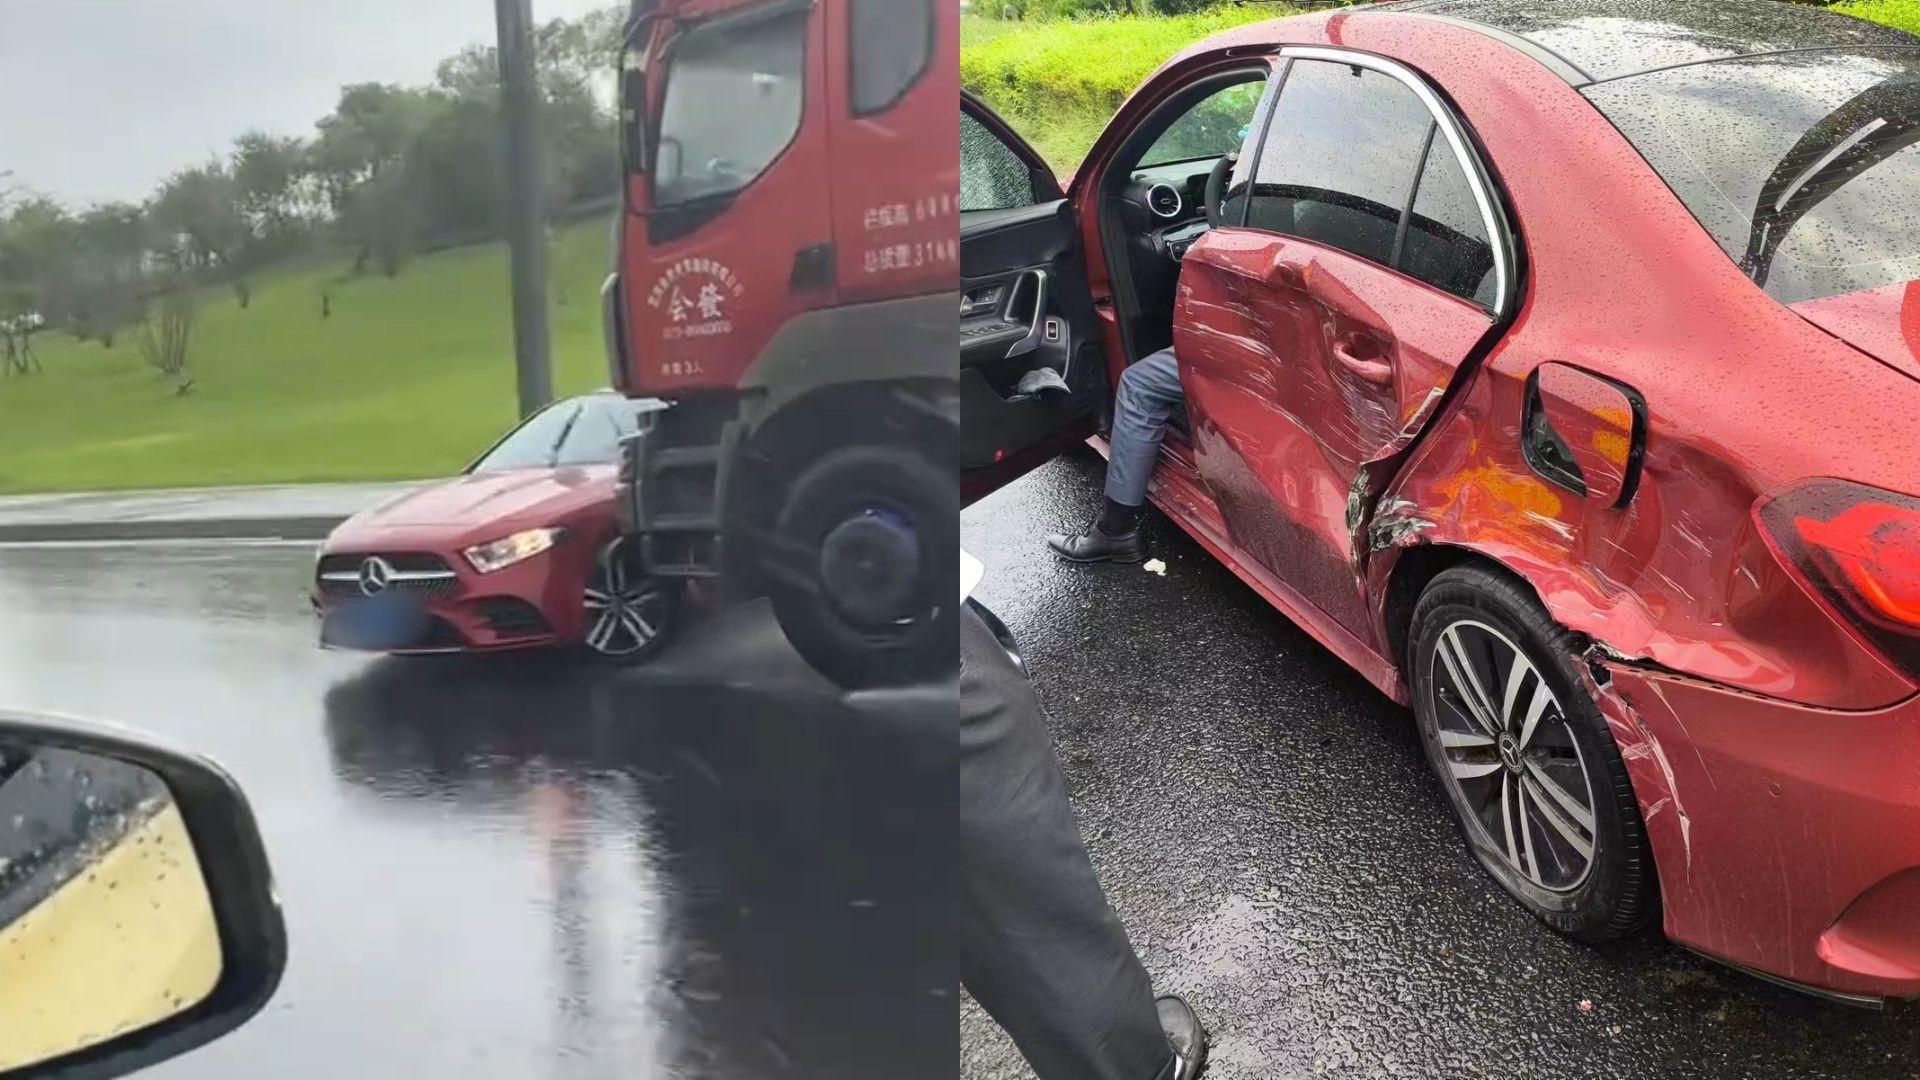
(1040, 949)
(1149, 392)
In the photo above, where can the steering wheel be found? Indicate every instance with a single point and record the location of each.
(1216, 186)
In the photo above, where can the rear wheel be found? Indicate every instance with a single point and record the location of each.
(629, 616)
(862, 570)
(1527, 761)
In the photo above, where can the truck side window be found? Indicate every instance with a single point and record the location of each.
(892, 47)
(734, 100)
(992, 176)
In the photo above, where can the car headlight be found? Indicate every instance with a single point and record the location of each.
(521, 546)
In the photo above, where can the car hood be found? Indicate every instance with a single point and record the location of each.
(495, 501)
(1883, 323)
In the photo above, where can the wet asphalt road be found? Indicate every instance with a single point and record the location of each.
(1266, 826)
(713, 868)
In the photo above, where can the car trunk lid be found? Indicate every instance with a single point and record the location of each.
(1883, 322)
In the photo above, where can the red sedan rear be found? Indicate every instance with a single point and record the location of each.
(520, 551)
(1555, 365)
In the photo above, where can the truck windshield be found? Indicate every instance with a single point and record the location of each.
(733, 101)
(1803, 166)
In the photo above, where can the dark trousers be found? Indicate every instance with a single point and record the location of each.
(1039, 948)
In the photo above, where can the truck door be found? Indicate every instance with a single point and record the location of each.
(728, 228)
(890, 95)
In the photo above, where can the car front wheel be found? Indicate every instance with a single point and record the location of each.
(1528, 764)
(628, 616)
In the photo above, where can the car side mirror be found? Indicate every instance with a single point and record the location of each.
(137, 914)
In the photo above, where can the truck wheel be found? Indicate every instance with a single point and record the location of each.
(864, 583)
(1533, 774)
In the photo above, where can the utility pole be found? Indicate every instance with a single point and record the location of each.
(526, 204)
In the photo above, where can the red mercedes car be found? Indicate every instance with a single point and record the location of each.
(520, 551)
(1556, 366)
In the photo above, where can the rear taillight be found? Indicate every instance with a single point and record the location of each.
(1860, 549)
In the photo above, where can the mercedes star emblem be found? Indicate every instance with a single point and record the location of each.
(375, 574)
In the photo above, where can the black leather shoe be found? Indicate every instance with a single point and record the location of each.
(1184, 1033)
(1096, 546)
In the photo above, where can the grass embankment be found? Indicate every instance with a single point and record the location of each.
(1904, 14)
(409, 377)
(1058, 83)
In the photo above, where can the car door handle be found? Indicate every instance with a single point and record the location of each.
(1037, 328)
(1282, 274)
(1362, 359)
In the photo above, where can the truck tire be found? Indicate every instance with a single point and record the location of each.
(870, 549)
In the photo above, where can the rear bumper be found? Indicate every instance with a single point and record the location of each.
(1787, 837)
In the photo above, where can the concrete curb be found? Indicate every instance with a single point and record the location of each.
(282, 528)
(287, 512)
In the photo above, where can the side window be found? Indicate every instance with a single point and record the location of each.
(1217, 126)
(732, 105)
(1340, 158)
(992, 176)
(1233, 202)
(892, 47)
(1447, 244)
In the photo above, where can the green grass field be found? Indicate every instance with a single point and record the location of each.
(1904, 14)
(409, 377)
(1058, 83)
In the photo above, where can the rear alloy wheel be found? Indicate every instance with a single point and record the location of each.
(629, 615)
(1528, 764)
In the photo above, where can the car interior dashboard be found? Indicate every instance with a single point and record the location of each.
(1162, 211)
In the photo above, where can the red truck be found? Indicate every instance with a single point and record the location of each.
(787, 278)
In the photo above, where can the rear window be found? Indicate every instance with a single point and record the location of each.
(1805, 167)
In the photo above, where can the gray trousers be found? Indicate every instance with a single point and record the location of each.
(1149, 392)
(1040, 949)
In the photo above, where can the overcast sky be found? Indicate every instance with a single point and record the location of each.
(101, 99)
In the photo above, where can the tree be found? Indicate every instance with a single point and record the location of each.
(111, 243)
(277, 193)
(38, 250)
(381, 218)
(165, 331)
(201, 207)
(452, 170)
(361, 144)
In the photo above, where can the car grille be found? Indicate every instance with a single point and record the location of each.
(419, 574)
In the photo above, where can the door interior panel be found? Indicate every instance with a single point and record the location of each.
(1024, 306)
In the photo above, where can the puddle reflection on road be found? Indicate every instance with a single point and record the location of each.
(737, 883)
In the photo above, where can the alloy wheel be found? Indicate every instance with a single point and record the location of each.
(626, 610)
(1511, 754)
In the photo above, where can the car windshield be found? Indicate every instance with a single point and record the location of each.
(1803, 166)
(584, 431)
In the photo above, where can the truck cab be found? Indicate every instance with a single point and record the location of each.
(787, 265)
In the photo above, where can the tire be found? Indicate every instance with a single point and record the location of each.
(1559, 777)
(618, 586)
(915, 507)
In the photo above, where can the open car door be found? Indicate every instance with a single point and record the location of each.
(1033, 377)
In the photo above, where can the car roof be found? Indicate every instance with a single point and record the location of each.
(1589, 41)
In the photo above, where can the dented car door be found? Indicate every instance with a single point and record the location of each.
(1318, 335)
